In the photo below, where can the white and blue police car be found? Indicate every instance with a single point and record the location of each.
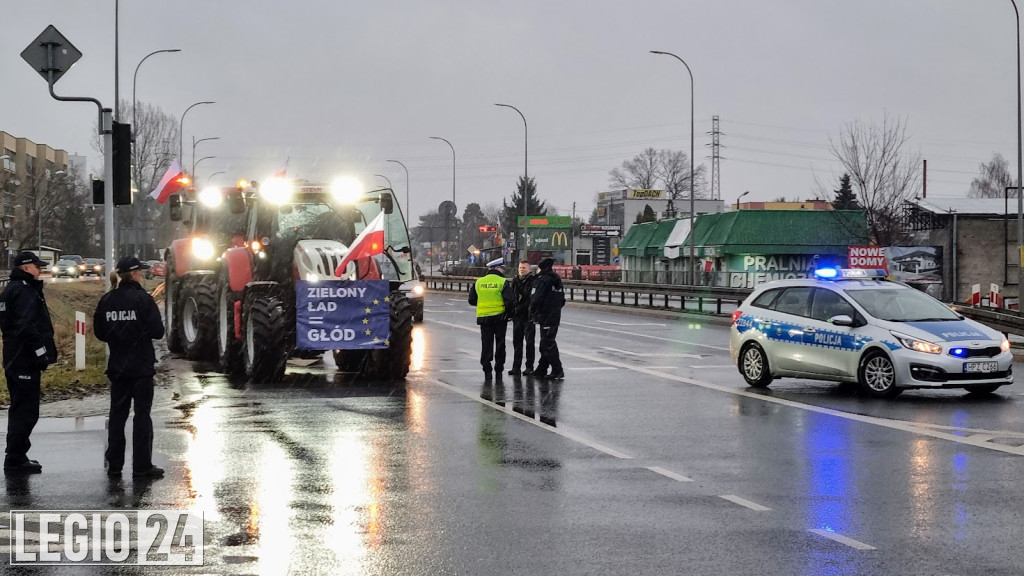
(849, 325)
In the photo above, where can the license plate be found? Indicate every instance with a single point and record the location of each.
(980, 367)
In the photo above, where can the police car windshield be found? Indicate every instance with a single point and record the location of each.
(903, 305)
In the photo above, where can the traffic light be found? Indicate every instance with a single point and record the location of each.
(486, 228)
(122, 135)
(97, 191)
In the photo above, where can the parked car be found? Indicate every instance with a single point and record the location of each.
(159, 268)
(855, 326)
(66, 268)
(94, 267)
(149, 272)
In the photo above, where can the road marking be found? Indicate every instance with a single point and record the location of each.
(745, 503)
(719, 366)
(644, 336)
(841, 539)
(508, 411)
(630, 323)
(439, 311)
(652, 354)
(669, 474)
(912, 428)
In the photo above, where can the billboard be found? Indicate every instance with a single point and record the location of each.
(545, 221)
(551, 239)
(646, 194)
(910, 264)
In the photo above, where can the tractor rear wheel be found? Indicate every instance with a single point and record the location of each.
(172, 285)
(392, 363)
(229, 348)
(264, 349)
(198, 315)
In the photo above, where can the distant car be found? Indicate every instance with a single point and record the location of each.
(66, 268)
(78, 260)
(94, 267)
(158, 268)
(414, 291)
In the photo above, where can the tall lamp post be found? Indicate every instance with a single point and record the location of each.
(210, 177)
(526, 179)
(446, 224)
(407, 213)
(739, 197)
(135, 80)
(693, 235)
(181, 128)
(386, 179)
(196, 163)
(194, 142)
(1020, 196)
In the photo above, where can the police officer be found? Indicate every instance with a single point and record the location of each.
(492, 296)
(128, 320)
(546, 301)
(28, 350)
(523, 331)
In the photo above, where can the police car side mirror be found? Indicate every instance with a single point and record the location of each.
(175, 206)
(842, 320)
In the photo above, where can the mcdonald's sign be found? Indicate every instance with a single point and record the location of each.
(559, 239)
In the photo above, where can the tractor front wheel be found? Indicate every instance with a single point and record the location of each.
(264, 349)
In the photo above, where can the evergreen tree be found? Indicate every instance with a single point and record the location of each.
(647, 215)
(510, 213)
(845, 198)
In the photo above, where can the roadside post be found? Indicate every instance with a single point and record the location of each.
(79, 341)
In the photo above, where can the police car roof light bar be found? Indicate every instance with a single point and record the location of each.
(850, 273)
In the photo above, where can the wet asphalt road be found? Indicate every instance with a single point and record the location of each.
(652, 457)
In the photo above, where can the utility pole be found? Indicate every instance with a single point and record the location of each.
(716, 155)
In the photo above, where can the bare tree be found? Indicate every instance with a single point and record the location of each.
(883, 175)
(54, 214)
(993, 179)
(642, 171)
(674, 172)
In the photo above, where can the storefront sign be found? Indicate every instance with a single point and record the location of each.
(646, 194)
(598, 230)
(602, 250)
(545, 221)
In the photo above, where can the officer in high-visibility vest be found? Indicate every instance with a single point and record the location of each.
(492, 296)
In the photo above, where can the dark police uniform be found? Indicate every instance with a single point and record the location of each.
(546, 301)
(128, 320)
(28, 350)
(492, 296)
(523, 331)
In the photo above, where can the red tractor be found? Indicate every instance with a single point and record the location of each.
(297, 234)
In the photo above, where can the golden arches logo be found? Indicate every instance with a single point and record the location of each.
(559, 239)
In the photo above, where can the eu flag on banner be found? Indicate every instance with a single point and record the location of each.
(342, 314)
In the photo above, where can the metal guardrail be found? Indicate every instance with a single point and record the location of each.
(701, 299)
(1006, 321)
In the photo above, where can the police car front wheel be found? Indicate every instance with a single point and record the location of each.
(754, 366)
(878, 376)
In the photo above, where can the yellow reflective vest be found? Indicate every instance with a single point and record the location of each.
(488, 295)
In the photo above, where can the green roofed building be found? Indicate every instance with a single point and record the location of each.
(742, 248)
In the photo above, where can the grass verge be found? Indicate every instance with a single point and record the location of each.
(61, 380)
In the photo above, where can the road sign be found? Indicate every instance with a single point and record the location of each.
(448, 208)
(615, 260)
(37, 54)
(510, 244)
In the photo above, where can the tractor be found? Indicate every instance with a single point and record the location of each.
(190, 304)
(299, 234)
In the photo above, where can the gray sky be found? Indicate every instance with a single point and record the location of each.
(340, 87)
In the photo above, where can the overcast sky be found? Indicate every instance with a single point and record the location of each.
(341, 87)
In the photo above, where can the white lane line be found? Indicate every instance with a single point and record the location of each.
(439, 311)
(508, 411)
(745, 503)
(708, 366)
(669, 474)
(725, 348)
(841, 539)
(652, 354)
(630, 323)
(466, 370)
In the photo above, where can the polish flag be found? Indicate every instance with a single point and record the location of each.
(283, 171)
(169, 184)
(370, 242)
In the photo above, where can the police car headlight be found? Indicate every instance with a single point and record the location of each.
(417, 290)
(918, 345)
(202, 249)
(1005, 345)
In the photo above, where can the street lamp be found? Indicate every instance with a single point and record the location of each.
(181, 128)
(407, 214)
(210, 177)
(671, 207)
(738, 199)
(136, 78)
(196, 163)
(194, 142)
(446, 225)
(386, 179)
(1020, 196)
(526, 161)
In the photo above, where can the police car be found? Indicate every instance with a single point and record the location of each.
(849, 325)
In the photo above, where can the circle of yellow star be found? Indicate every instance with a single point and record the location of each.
(375, 301)
(368, 332)
(366, 320)
(368, 310)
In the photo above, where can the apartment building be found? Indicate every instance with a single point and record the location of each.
(24, 166)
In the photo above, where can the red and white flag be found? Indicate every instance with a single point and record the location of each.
(169, 184)
(283, 171)
(370, 242)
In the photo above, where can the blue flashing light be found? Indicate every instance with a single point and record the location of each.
(827, 273)
(848, 273)
(958, 352)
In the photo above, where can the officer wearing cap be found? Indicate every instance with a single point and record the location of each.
(128, 320)
(492, 296)
(28, 350)
(546, 302)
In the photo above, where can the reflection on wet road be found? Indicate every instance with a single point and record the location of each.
(652, 457)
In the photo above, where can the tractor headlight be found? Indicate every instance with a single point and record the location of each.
(417, 290)
(277, 190)
(347, 190)
(918, 345)
(211, 197)
(202, 249)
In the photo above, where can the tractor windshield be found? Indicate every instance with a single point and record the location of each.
(396, 235)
